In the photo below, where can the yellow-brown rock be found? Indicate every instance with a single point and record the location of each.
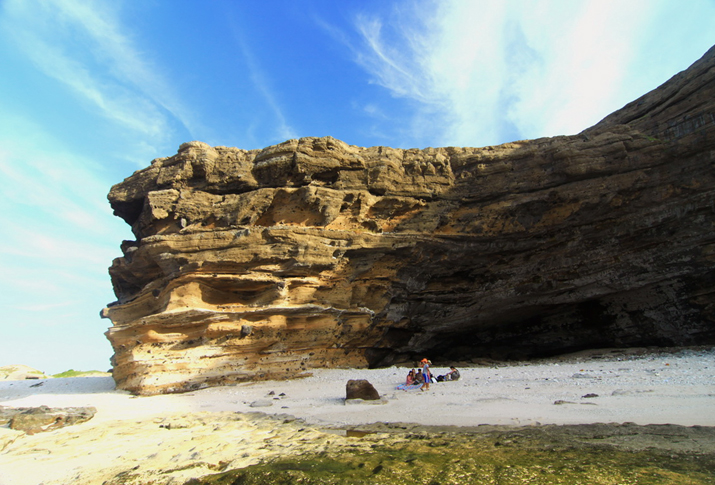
(315, 253)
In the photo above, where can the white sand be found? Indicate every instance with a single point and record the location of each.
(169, 439)
(651, 388)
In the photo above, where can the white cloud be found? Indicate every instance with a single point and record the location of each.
(45, 185)
(263, 85)
(491, 71)
(57, 235)
(585, 57)
(40, 307)
(83, 45)
(47, 247)
(448, 57)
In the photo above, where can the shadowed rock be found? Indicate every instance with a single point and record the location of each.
(256, 264)
(361, 389)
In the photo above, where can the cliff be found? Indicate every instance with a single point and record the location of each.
(315, 253)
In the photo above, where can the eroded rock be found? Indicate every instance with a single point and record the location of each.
(256, 264)
(43, 418)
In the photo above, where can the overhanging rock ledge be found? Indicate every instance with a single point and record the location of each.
(314, 253)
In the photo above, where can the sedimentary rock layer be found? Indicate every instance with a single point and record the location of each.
(313, 253)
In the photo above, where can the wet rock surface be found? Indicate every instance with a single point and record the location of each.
(252, 448)
(408, 453)
(262, 264)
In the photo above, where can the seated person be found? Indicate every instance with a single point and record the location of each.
(410, 378)
(419, 378)
(452, 375)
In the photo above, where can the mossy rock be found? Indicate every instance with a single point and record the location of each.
(508, 457)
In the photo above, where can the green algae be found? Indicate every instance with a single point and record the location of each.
(503, 458)
(80, 373)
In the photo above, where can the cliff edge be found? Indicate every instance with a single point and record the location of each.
(256, 264)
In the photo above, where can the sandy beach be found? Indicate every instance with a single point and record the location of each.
(637, 386)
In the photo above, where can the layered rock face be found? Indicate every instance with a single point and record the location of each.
(314, 253)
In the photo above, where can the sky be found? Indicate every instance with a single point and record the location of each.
(93, 90)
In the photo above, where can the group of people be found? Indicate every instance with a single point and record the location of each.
(423, 376)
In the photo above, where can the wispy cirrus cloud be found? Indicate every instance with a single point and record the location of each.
(55, 218)
(85, 46)
(57, 239)
(57, 233)
(262, 84)
(260, 81)
(487, 72)
(45, 183)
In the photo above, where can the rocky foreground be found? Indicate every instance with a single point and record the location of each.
(262, 264)
(230, 448)
(610, 417)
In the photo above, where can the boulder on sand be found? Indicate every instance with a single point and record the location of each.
(361, 389)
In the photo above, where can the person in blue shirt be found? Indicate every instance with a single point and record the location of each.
(426, 374)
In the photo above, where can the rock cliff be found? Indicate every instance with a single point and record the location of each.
(314, 253)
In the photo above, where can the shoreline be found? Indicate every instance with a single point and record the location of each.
(647, 402)
(642, 386)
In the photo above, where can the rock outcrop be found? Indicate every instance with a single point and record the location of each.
(43, 418)
(315, 253)
(19, 372)
(361, 389)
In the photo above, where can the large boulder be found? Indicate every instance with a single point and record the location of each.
(257, 264)
(361, 389)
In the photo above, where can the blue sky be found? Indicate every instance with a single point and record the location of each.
(91, 91)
